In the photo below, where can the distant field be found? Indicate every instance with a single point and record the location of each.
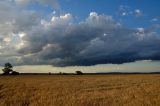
(85, 90)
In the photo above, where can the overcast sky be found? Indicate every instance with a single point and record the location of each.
(87, 35)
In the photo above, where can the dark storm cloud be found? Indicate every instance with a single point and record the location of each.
(97, 40)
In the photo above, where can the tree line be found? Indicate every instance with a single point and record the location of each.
(8, 70)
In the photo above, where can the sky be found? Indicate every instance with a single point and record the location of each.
(87, 35)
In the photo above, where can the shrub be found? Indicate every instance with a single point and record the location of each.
(79, 73)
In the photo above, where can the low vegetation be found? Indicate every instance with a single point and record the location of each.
(86, 90)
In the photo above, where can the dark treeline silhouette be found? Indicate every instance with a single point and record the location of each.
(109, 73)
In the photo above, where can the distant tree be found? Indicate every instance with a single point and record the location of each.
(49, 73)
(60, 73)
(7, 69)
(79, 72)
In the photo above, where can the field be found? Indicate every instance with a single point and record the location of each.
(85, 90)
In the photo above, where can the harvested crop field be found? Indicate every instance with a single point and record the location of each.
(84, 90)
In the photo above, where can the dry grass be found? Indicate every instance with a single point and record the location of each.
(100, 90)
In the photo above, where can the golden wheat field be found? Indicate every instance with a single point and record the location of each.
(85, 90)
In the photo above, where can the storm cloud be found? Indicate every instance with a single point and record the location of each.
(96, 40)
(60, 41)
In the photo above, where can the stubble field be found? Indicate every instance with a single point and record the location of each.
(85, 90)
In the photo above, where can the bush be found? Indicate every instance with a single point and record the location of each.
(79, 73)
(15, 73)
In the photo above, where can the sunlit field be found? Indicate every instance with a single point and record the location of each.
(83, 90)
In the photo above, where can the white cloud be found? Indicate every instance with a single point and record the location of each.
(20, 45)
(156, 19)
(104, 34)
(61, 20)
(125, 10)
(22, 34)
(140, 30)
(138, 12)
(1, 47)
(140, 33)
(124, 14)
(7, 40)
(66, 16)
(93, 14)
(54, 12)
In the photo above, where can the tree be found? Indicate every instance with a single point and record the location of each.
(7, 69)
(79, 73)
